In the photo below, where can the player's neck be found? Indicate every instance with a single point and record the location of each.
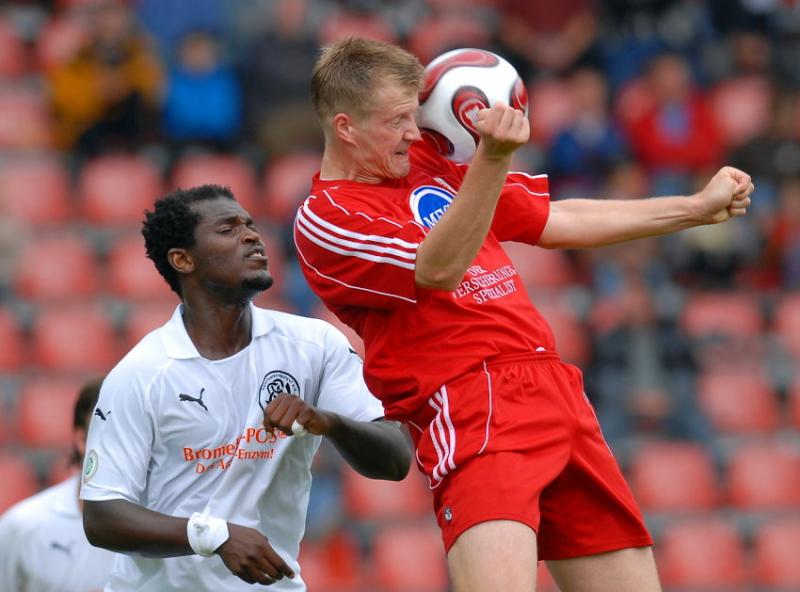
(217, 331)
(335, 166)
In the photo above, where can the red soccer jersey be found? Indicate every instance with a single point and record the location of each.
(357, 245)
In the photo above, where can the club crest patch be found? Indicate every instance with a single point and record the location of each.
(276, 382)
(429, 203)
(90, 465)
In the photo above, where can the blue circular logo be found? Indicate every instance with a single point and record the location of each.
(429, 203)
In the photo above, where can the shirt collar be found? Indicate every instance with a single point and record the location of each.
(179, 345)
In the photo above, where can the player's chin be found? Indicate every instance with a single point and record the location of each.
(259, 281)
(399, 167)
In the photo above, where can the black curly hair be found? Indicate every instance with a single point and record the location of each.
(171, 225)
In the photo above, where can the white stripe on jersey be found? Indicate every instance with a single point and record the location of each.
(345, 284)
(397, 242)
(322, 235)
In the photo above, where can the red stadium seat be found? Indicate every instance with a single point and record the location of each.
(13, 349)
(24, 119)
(544, 579)
(287, 183)
(371, 499)
(672, 476)
(439, 33)
(551, 109)
(77, 338)
(36, 190)
(794, 403)
(704, 554)
(787, 323)
(235, 172)
(409, 558)
(144, 318)
(45, 411)
(340, 25)
(742, 108)
(738, 401)
(764, 476)
(19, 480)
(333, 565)
(132, 275)
(571, 339)
(56, 268)
(59, 40)
(776, 554)
(116, 190)
(13, 58)
(726, 314)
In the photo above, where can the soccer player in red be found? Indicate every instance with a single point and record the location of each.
(404, 246)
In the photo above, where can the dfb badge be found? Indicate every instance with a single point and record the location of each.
(274, 383)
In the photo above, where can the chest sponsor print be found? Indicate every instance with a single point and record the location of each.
(273, 384)
(429, 203)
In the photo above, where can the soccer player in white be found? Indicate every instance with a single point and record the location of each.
(42, 544)
(200, 470)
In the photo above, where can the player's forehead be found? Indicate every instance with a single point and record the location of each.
(219, 209)
(391, 96)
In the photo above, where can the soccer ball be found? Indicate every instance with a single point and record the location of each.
(456, 85)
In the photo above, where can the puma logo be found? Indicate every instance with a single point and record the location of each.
(198, 400)
(99, 413)
(63, 548)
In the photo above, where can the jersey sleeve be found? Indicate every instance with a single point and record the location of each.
(354, 258)
(119, 442)
(341, 387)
(523, 209)
(12, 575)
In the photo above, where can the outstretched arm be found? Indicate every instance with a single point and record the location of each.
(582, 223)
(376, 449)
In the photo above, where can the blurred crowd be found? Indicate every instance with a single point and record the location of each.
(694, 337)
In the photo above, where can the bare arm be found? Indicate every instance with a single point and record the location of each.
(376, 449)
(119, 525)
(582, 223)
(451, 245)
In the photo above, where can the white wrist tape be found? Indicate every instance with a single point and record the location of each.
(206, 533)
(298, 429)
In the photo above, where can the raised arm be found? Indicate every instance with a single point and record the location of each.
(120, 525)
(376, 449)
(451, 245)
(583, 223)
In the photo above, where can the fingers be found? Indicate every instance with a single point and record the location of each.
(503, 124)
(283, 411)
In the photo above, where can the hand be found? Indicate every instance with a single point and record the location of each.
(726, 195)
(503, 130)
(249, 556)
(284, 409)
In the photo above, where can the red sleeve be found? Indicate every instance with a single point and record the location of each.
(523, 208)
(356, 258)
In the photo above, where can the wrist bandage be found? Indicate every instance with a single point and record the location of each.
(206, 533)
(298, 429)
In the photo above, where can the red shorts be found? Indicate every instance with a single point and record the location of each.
(518, 440)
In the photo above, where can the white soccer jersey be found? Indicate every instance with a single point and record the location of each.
(179, 434)
(43, 547)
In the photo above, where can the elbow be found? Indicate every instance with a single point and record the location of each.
(441, 279)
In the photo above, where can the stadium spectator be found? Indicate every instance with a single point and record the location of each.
(104, 98)
(455, 349)
(203, 98)
(42, 544)
(184, 436)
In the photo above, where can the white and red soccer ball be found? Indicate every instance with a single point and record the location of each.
(456, 85)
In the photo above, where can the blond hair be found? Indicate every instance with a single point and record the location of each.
(348, 73)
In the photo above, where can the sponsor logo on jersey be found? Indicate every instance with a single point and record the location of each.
(429, 203)
(67, 549)
(90, 466)
(99, 413)
(198, 399)
(273, 384)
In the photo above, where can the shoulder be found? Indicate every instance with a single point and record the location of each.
(305, 331)
(140, 364)
(24, 516)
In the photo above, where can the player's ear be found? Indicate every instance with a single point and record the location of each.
(343, 128)
(180, 260)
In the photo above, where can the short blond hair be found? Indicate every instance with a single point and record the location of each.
(348, 73)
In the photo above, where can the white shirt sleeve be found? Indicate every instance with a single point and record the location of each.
(120, 441)
(341, 387)
(11, 535)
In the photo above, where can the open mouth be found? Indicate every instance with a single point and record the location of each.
(256, 254)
